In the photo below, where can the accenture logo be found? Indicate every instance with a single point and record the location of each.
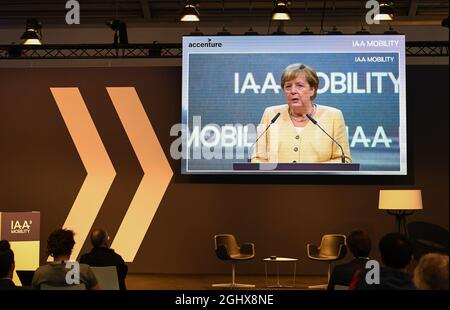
(206, 44)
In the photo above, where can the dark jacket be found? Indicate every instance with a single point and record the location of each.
(390, 279)
(343, 274)
(102, 257)
(7, 285)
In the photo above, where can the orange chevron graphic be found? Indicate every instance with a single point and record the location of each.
(100, 171)
(157, 171)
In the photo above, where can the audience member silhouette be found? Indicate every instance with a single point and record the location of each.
(102, 255)
(6, 266)
(59, 245)
(396, 254)
(432, 272)
(359, 244)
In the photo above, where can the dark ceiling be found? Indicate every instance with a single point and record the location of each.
(340, 12)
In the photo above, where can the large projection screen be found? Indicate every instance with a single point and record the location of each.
(230, 82)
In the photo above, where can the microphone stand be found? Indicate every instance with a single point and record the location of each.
(317, 124)
(268, 126)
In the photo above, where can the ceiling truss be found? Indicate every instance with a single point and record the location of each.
(158, 50)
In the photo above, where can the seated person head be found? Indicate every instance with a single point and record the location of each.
(60, 243)
(359, 243)
(6, 260)
(4, 245)
(432, 272)
(99, 238)
(396, 250)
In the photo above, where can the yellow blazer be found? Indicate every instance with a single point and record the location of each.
(282, 143)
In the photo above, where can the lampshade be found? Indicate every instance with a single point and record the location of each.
(281, 11)
(385, 13)
(400, 200)
(190, 13)
(32, 34)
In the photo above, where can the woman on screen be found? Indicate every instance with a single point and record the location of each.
(293, 137)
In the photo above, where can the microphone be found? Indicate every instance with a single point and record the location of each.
(274, 119)
(317, 124)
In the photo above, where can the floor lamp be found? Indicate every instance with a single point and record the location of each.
(400, 203)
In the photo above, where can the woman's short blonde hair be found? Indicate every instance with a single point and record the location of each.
(432, 272)
(294, 70)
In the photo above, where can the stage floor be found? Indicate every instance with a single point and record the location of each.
(203, 282)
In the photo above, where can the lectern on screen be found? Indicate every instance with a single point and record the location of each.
(294, 105)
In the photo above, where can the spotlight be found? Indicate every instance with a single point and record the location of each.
(120, 31)
(32, 34)
(251, 32)
(155, 49)
(334, 31)
(362, 31)
(386, 12)
(306, 31)
(444, 22)
(189, 13)
(224, 32)
(281, 10)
